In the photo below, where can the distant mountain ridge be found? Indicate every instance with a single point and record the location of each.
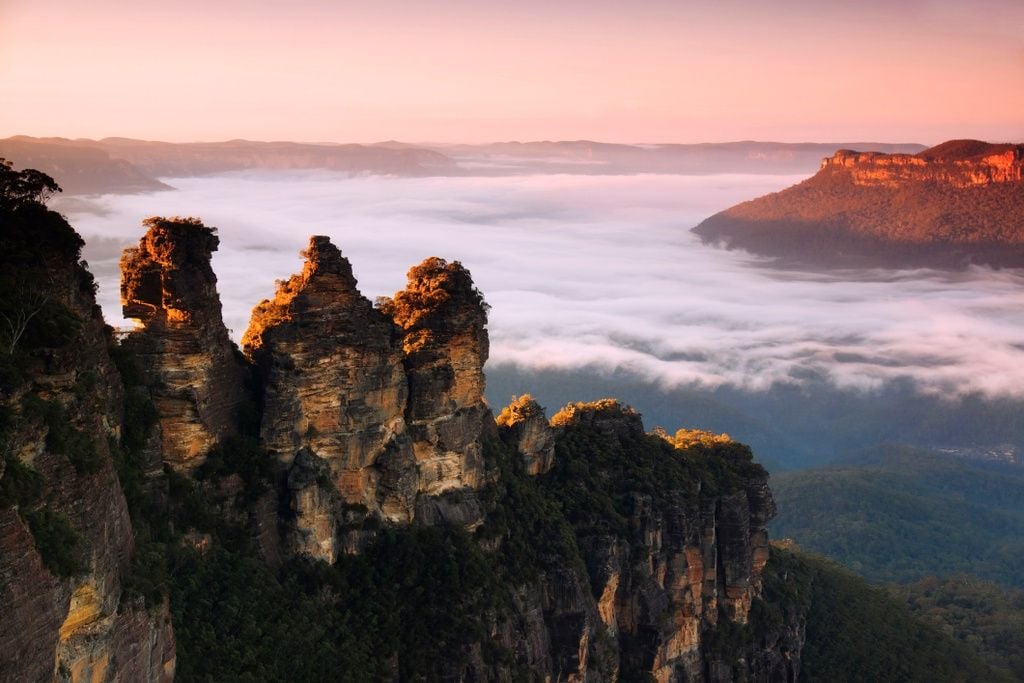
(124, 165)
(602, 158)
(957, 203)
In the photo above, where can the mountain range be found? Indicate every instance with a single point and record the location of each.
(121, 165)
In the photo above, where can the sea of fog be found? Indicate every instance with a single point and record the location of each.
(597, 272)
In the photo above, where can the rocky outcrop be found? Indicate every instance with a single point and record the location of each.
(195, 377)
(957, 203)
(958, 164)
(444, 321)
(66, 539)
(687, 564)
(372, 411)
(330, 365)
(522, 423)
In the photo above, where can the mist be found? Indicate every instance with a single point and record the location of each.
(598, 273)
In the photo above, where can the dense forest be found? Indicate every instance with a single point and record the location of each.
(897, 514)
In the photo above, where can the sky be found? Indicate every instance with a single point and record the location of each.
(480, 70)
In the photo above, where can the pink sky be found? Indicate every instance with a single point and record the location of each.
(474, 71)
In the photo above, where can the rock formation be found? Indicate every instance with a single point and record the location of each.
(957, 163)
(444, 321)
(196, 379)
(66, 539)
(580, 549)
(522, 423)
(364, 414)
(689, 559)
(956, 203)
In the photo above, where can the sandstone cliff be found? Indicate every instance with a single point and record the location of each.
(66, 540)
(197, 382)
(457, 546)
(366, 420)
(680, 563)
(334, 393)
(523, 425)
(957, 203)
(444, 321)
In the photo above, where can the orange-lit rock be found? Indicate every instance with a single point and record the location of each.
(334, 384)
(522, 423)
(81, 626)
(197, 382)
(958, 163)
(388, 419)
(444, 323)
(952, 205)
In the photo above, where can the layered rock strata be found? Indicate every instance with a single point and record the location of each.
(195, 377)
(958, 163)
(334, 393)
(364, 419)
(954, 204)
(689, 560)
(66, 539)
(444, 323)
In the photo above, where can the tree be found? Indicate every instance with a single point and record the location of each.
(26, 305)
(27, 186)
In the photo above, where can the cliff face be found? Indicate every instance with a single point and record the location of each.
(580, 549)
(957, 203)
(523, 425)
(444, 321)
(958, 163)
(197, 383)
(334, 398)
(366, 421)
(66, 539)
(684, 564)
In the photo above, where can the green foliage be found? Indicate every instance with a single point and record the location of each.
(60, 546)
(898, 514)
(598, 476)
(241, 456)
(980, 614)
(856, 632)
(26, 187)
(148, 576)
(413, 601)
(20, 484)
(62, 437)
(535, 536)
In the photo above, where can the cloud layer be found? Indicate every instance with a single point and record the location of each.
(599, 271)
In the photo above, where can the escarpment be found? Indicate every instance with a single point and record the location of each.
(66, 539)
(957, 163)
(197, 382)
(375, 513)
(674, 553)
(957, 203)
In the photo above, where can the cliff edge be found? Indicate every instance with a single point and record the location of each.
(958, 203)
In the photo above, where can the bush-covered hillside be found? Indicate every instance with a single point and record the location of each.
(899, 514)
(857, 632)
